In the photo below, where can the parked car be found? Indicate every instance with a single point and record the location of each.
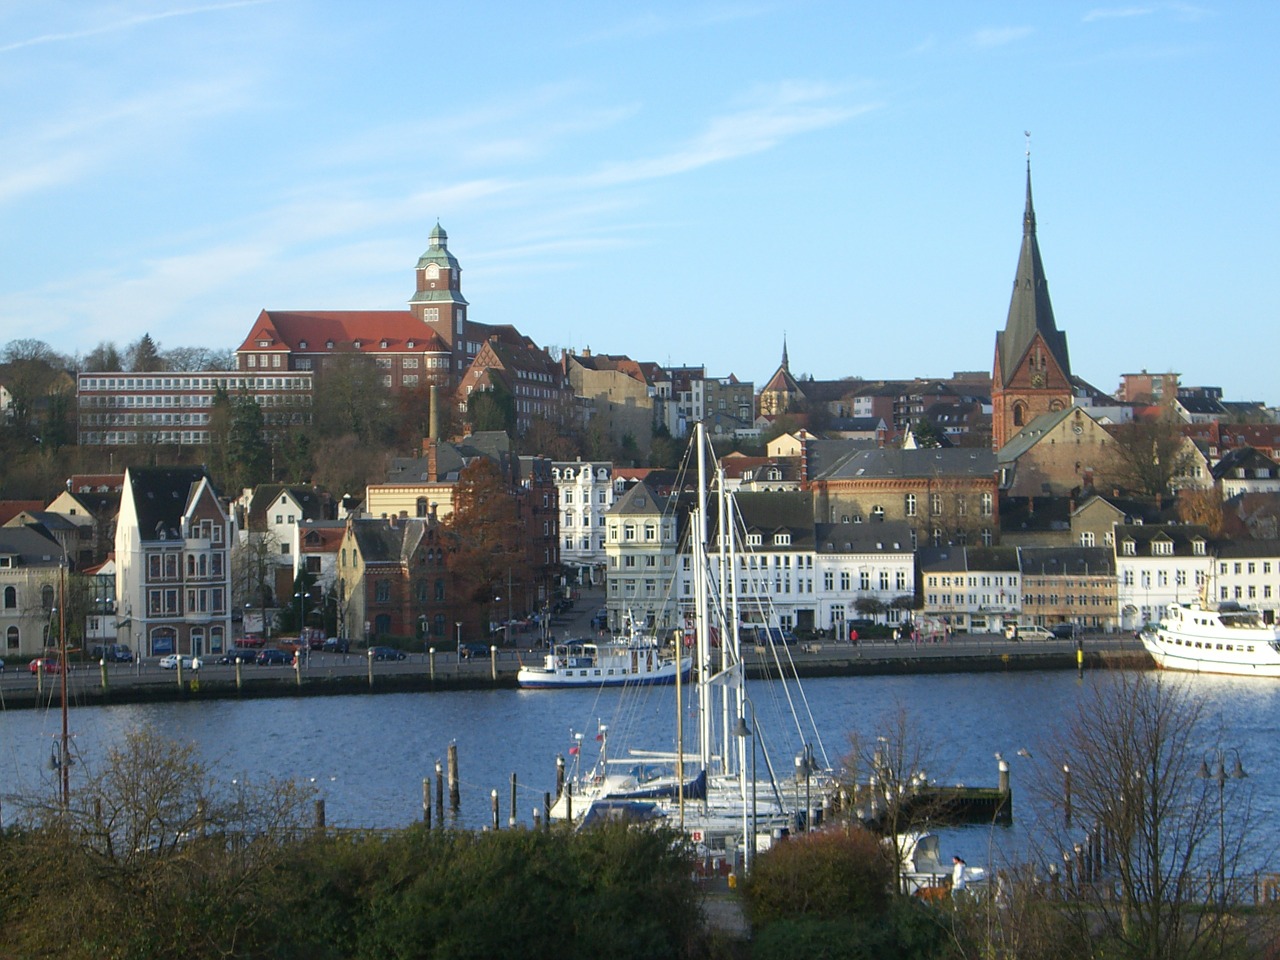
(171, 662)
(111, 652)
(252, 640)
(48, 664)
(273, 657)
(336, 645)
(470, 651)
(1066, 631)
(238, 655)
(386, 653)
(1028, 633)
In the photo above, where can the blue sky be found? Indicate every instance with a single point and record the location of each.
(679, 182)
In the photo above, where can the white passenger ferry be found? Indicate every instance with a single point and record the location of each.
(1215, 638)
(608, 663)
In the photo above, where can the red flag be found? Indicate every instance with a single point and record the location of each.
(599, 736)
(573, 751)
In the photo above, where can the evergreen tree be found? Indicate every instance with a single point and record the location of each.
(144, 356)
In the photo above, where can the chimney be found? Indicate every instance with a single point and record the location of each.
(433, 424)
(433, 463)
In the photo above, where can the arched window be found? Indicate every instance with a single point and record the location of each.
(1019, 414)
(422, 507)
(46, 598)
(10, 598)
(11, 639)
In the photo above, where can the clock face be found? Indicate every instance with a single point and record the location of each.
(1037, 379)
(1078, 428)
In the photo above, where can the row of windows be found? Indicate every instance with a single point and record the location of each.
(166, 603)
(1240, 567)
(194, 383)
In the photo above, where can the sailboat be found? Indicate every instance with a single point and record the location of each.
(712, 792)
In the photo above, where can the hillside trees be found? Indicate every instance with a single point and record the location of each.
(489, 537)
(1145, 456)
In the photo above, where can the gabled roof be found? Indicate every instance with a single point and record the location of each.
(389, 540)
(1066, 561)
(29, 546)
(309, 499)
(1031, 434)
(160, 496)
(1247, 459)
(11, 508)
(769, 513)
(1030, 311)
(1143, 534)
(637, 501)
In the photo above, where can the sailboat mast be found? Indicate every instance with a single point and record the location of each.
(64, 756)
(701, 619)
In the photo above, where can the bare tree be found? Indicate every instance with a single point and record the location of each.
(1169, 838)
(1145, 456)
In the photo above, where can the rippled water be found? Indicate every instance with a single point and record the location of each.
(369, 754)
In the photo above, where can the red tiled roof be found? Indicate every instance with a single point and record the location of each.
(288, 329)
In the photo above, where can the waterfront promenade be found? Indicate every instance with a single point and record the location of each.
(324, 674)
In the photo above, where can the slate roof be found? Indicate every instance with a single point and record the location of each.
(1143, 534)
(160, 496)
(380, 542)
(769, 513)
(1067, 561)
(891, 536)
(1247, 459)
(310, 501)
(933, 462)
(1248, 549)
(29, 547)
(1031, 434)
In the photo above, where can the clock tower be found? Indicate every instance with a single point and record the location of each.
(1031, 374)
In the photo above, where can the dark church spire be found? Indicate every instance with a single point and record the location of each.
(1030, 311)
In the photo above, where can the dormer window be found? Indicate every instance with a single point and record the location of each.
(782, 539)
(753, 539)
(264, 343)
(1129, 548)
(328, 344)
(383, 344)
(1162, 548)
(409, 344)
(1197, 547)
(302, 344)
(356, 344)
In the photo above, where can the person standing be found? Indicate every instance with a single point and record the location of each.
(957, 878)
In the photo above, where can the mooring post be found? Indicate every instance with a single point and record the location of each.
(559, 775)
(1003, 767)
(370, 652)
(102, 665)
(511, 821)
(455, 800)
(297, 665)
(493, 801)
(239, 678)
(320, 820)
(440, 790)
(537, 818)
(431, 658)
(1066, 795)
(546, 810)
(493, 662)
(426, 801)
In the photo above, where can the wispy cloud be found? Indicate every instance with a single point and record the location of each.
(1117, 13)
(127, 23)
(1000, 36)
(791, 109)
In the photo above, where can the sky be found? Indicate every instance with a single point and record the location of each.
(683, 183)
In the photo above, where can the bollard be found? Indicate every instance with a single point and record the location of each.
(511, 820)
(319, 814)
(537, 818)
(1003, 767)
(179, 671)
(40, 677)
(455, 799)
(426, 801)
(493, 662)
(546, 809)
(1066, 795)
(239, 677)
(568, 806)
(431, 658)
(493, 800)
(297, 666)
(370, 658)
(102, 665)
(440, 791)
(559, 775)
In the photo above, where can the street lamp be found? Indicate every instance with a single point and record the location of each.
(1217, 771)
(742, 730)
(458, 627)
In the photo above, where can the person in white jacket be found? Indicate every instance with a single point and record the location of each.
(957, 878)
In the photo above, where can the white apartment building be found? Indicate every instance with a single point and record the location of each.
(1248, 573)
(1158, 564)
(586, 493)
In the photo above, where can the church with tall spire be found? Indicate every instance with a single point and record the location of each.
(781, 393)
(1031, 373)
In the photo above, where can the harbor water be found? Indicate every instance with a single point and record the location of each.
(367, 755)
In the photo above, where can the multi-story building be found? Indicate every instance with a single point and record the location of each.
(31, 562)
(970, 589)
(174, 408)
(641, 544)
(1147, 388)
(535, 383)
(860, 571)
(615, 393)
(1248, 572)
(393, 580)
(944, 495)
(173, 576)
(586, 493)
(1157, 565)
(1069, 585)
